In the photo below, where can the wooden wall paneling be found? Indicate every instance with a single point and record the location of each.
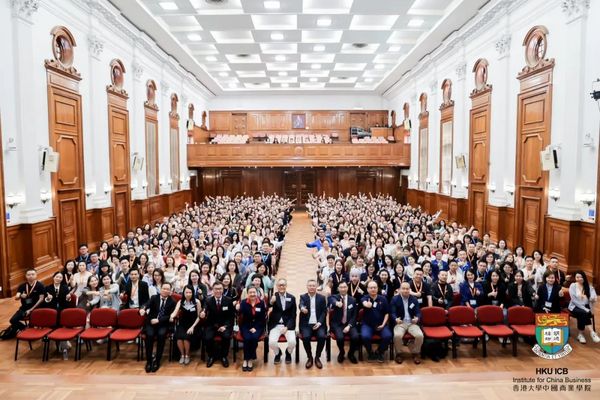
(493, 223)
(20, 255)
(239, 125)
(118, 133)
(479, 156)
(66, 137)
(220, 121)
(583, 251)
(4, 267)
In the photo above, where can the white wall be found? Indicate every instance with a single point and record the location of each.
(101, 35)
(323, 101)
(496, 34)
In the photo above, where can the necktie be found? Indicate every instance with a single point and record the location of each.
(162, 308)
(343, 309)
(219, 305)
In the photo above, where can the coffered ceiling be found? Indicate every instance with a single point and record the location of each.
(291, 45)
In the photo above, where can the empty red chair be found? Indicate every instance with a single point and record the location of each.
(41, 323)
(102, 322)
(522, 321)
(491, 320)
(72, 323)
(462, 323)
(129, 328)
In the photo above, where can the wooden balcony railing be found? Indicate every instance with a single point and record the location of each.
(298, 155)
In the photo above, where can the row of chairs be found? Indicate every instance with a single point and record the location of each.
(438, 324)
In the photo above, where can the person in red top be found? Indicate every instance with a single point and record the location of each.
(253, 313)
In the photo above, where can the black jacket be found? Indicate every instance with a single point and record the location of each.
(437, 293)
(337, 313)
(224, 317)
(321, 309)
(59, 300)
(288, 316)
(554, 300)
(153, 309)
(143, 293)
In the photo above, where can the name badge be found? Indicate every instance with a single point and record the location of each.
(548, 304)
(494, 302)
(473, 302)
(350, 306)
(374, 305)
(28, 301)
(257, 309)
(412, 305)
(383, 292)
(420, 300)
(225, 308)
(288, 299)
(445, 301)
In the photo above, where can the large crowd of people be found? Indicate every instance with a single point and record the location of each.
(210, 272)
(395, 259)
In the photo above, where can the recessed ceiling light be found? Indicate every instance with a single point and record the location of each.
(313, 79)
(359, 45)
(324, 22)
(285, 85)
(168, 5)
(242, 55)
(415, 23)
(211, 58)
(319, 47)
(280, 58)
(223, 74)
(394, 49)
(194, 37)
(368, 79)
(276, 36)
(272, 5)
(379, 66)
(315, 66)
(282, 73)
(233, 85)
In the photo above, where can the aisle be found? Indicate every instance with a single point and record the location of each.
(297, 264)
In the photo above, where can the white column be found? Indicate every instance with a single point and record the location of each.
(502, 125)
(183, 116)
(568, 126)
(461, 130)
(164, 145)
(31, 134)
(137, 128)
(433, 145)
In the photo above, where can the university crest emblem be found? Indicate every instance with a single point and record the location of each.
(552, 334)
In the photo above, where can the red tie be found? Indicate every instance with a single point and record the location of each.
(344, 309)
(219, 305)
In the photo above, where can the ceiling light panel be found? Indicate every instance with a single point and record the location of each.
(326, 6)
(279, 48)
(232, 36)
(323, 36)
(372, 22)
(275, 22)
(251, 74)
(243, 58)
(281, 66)
(317, 58)
(349, 67)
(352, 48)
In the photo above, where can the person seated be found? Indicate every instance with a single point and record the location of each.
(253, 313)
(471, 292)
(494, 290)
(442, 294)
(57, 294)
(520, 292)
(136, 293)
(375, 321)
(282, 322)
(405, 314)
(342, 322)
(158, 312)
(187, 312)
(219, 312)
(583, 298)
(420, 289)
(313, 312)
(549, 294)
(31, 295)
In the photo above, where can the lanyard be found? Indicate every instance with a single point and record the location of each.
(29, 289)
(443, 292)
(418, 288)
(473, 290)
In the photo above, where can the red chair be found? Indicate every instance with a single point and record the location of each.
(433, 325)
(462, 323)
(491, 320)
(456, 298)
(334, 338)
(522, 321)
(176, 297)
(376, 338)
(129, 328)
(41, 323)
(238, 338)
(72, 321)
(102, 323)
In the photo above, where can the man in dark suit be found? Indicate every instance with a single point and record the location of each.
(313, 311)
(442, 294)
(375, 321)
(405, 314)
(158, 312)
(342, 321)
(136, 293)
(220, 315)
(282, 321)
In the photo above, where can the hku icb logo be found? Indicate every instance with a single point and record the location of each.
(552, 334)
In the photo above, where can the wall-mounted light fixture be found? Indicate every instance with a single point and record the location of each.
(587, 198)
(492, 187)
(13, 200)
(509, 188)
(554, 194)
(107, 188)
(144, 184)
(90, 190)
(45, 196)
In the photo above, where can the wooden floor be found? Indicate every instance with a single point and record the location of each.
(468, 376)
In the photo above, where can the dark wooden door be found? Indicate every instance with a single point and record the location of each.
(479, 158)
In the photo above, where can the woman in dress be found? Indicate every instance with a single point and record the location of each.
(187, 311)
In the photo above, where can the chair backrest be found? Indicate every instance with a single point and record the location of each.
(73, 317)
(130, 319)
(176, 297)
(456, 299)
(490, 315)
(43, 318)
(433, 316)
(360, 315)
(461, 315)
(103, 317)
(521, 315)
